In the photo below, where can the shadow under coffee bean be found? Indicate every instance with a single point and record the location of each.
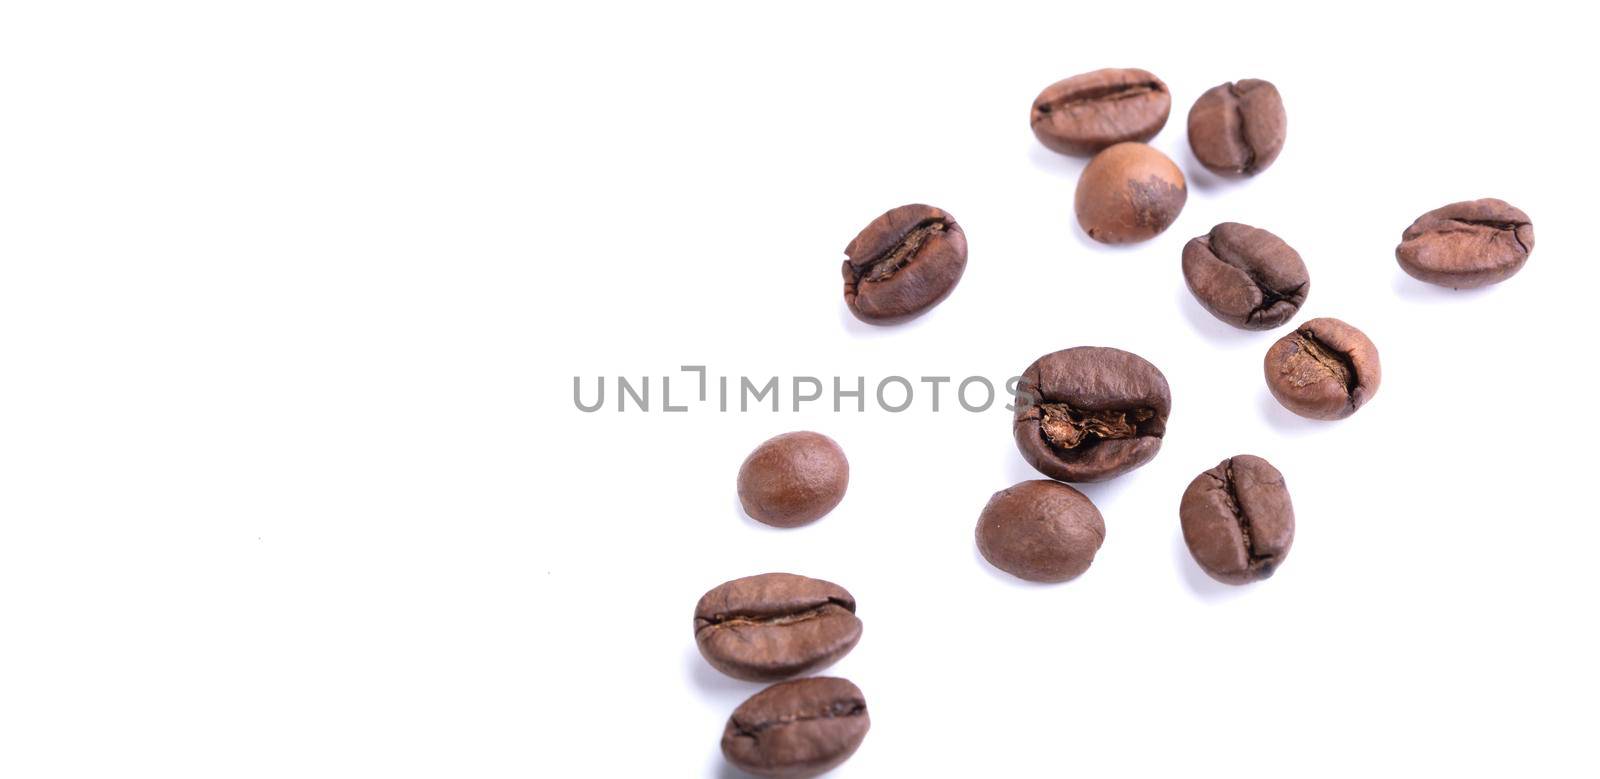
(775, 625)
(1237, 520)
(797, 729)
(1090, 413)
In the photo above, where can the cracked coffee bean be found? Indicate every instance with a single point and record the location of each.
(1090, 413)
(797, 729)
(1246, 276)
(1042, 531)
(903, 264)
(793, 479)
(1090, 111)
(1470, 244)
(1129, 192)
(1325, 369)
(776, 625)
(1237, 520)
(1238, 128)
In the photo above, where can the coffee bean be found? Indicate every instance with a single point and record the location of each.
(775, 625)
(1129, 192)
(1237, 520)
(1042, 531)
(1090, 413)
(1325, 369)
(1090, 111)
(903, 264)
(793, 479)
(1238, 128)
(797, 729)
(1470, 244)
(1246, 276)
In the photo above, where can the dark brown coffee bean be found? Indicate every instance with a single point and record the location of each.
(1238, 128)
(1090, 111)
(1246, 276)
(1237, 520)
(1090, 413)
(1042, 531)
(793, 479)
(1325, 369)
(903, 264)
(1470, 244)
(775, 625)
(797, 729)
(1129, 192)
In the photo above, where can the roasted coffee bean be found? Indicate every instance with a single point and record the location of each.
(1129, 192)
(793, 479)
(1237, 520)
(1238, 128)
(797, 729)
(1090, 111)
(776, 625)
(903, 264)
(1470, 244)
(1090, 413)
(1246, 276)
(1042, 531)
(1325, 369)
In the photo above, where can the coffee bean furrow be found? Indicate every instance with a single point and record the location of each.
(903, 252)
(776, 620)
(1337, 365)
(1095, 96)
(1249, 165)
(834, 711)
(1240, 515)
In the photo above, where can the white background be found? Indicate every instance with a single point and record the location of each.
(292, 482)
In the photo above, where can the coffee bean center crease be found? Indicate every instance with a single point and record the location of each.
(901, 254)
(1244, 137)
(1096, 96)
(1497, 225)
(1269, 295)
(1242, 517)
(790, 618)
(835, 710)
(1066, 427)
(1331, 360)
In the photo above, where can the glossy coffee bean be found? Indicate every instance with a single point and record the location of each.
(793, 479)
(776, 625)
(1090, 111)
(1090, 413)
(1238, 128)
(903, 264)
(1042, 531)
(1469, 244)
(1129, 192)
(1325, 369)
(1246, 276)
(1237, 520)
(797, 729)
